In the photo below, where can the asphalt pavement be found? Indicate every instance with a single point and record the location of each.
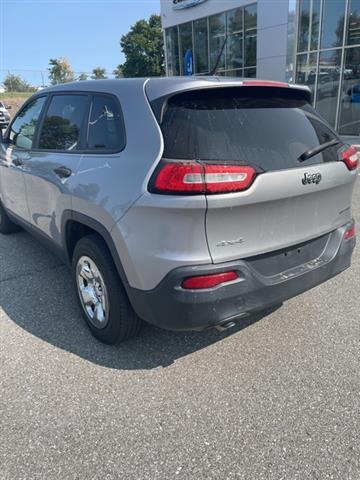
(277, 397)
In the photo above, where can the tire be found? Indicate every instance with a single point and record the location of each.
(94, 273)
(6, 225)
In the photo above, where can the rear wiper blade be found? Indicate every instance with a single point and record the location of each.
(320, 148)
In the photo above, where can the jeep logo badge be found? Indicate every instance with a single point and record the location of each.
(311, 178)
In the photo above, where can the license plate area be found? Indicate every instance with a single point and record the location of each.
(274, 263)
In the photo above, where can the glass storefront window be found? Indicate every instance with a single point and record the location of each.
(206, 38)
(201, 46)
(332, 23)
(250, 21)
(172, 51)
(185, 33)
(304, 25)
(353, 32)
(350, 95)
(217, 29)
(235, 73)
(234, 47)
(250, 72)
(328, 84)
(331, 66)
(315, 22)
(235, 51)
(309, 22)
(306, 70)
(235, 21)
(242, 72)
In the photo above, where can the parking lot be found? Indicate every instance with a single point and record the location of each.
(277, 397)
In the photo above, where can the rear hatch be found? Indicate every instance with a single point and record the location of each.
(293, 197)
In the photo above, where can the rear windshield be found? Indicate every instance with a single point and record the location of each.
(267, 128)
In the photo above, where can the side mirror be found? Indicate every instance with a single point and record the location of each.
(8, 107)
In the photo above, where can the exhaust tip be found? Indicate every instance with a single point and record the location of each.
(230, 323)
(225, 326)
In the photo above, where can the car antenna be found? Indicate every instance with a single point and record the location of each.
(214, 70)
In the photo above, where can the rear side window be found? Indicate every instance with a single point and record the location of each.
(268, 128)
(106, 131)
(62, 123)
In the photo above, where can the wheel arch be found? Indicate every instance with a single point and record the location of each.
(76, 225)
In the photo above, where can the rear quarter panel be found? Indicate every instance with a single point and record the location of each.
(152, 233)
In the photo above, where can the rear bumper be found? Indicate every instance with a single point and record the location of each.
(171, 307)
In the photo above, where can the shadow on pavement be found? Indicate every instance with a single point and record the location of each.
(36, 292)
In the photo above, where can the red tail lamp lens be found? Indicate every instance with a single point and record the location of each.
(180, 177)
(197, 178)
(350, 233)
(208, 281)
(351, 157)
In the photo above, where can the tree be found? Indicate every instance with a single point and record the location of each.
(143, 48)
(118, 72)
(98, 73)
(60, 71)
(14, 83)
(82, 76)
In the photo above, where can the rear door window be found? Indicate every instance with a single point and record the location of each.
(265, 127)
(63, 121)
(106, 130)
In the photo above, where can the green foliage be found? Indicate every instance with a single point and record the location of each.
(82, 76)
(98, 73)
(118, 72)
(143, 47)
(14, 83)
(60, 71)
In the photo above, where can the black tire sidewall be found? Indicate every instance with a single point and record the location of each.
(121, 315)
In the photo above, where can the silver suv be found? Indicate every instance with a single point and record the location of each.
(185, 202)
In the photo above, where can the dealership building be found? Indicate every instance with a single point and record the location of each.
(312, 42)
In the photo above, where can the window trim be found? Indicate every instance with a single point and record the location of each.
(84, 124)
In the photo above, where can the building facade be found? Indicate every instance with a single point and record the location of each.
(312, 42)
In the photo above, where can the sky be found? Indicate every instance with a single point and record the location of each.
(86, 32)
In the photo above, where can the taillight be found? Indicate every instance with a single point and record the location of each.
(349, 233)
(208, 281)
(197, 178)
(351, 157)
(180, 178)
(227, 178)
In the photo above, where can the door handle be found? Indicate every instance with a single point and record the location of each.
(18, 162)
(63, 172)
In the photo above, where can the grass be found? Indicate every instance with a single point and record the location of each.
(15, 94)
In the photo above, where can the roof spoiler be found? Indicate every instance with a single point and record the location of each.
(271, 83)
(159, 104)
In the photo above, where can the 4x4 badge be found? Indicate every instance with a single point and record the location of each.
(228, 243)
(311, 178)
